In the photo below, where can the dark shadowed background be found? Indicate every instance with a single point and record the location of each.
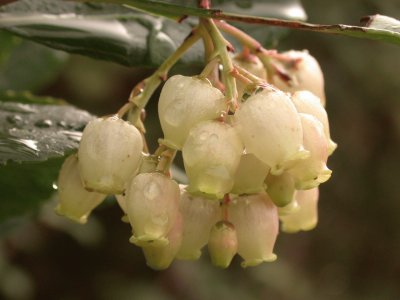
(352, 254)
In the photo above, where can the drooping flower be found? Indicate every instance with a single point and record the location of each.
(306, 216)
(109, 154)
(211, 155)
(75, 202)
(256, 221)
(184, 102)
(271, 129)
(152, 203)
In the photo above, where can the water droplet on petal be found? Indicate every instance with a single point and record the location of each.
(175, 113)
(151, 191)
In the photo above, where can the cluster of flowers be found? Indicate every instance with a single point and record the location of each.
(246, 170)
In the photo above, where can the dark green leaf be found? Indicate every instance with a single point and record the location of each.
(119, 34)
(32, 132)
(34, 139)
(27, 66)
(25, 186)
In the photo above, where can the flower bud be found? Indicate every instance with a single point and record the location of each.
(184, 102)
(109, 154)
(211, 155)
(310, 172)
(161, 257)
(223, 244)
(305, 74)
(270, 128)
(255, 218)
(199, 215)
(152, 202)
(252, 64)
(306, 102)
(281, 188)
(75, 202)
(306, 216)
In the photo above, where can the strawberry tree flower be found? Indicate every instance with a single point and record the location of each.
(109, 154)
(280, 188)
(256, 221)
(250, 175)
(199, 216)
(252, 64)
(306, 216)
(184, 102)
(308, 103)
(211, 155)
(160, 257)
(269, 125)
(223, 244)
(254, 147)
(75, 202)
(152, 202)
(304, 72)
(312, 171)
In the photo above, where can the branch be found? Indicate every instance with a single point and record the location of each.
(178, 12)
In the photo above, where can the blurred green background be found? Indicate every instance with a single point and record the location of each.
(352, 254)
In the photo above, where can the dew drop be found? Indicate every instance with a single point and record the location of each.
(14, 119)
(175, 113)
(151, 191)
(72, 135)
(203, 135)
(160, 219)
(213, 138)
(62, 124)
(44, 123)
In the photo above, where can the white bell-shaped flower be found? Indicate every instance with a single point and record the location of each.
(288, 209)
(252, 64)
(199, 216)
(161, 257)
(281, 188)
(270, 128)
(305, 73)
(121, 200)
(184, 102)
(256, 221)
(152, 202)
(109, 154)
(223, 244)
(211, 155)
(310, 172)
(75, 202)
(250, 175)
(308, 103)
(306, 216)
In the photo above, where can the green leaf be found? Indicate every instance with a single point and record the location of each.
(119, 34)
(27, 66)
(33, 132)
(27, 97)
(25, 186)
(34, 138)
